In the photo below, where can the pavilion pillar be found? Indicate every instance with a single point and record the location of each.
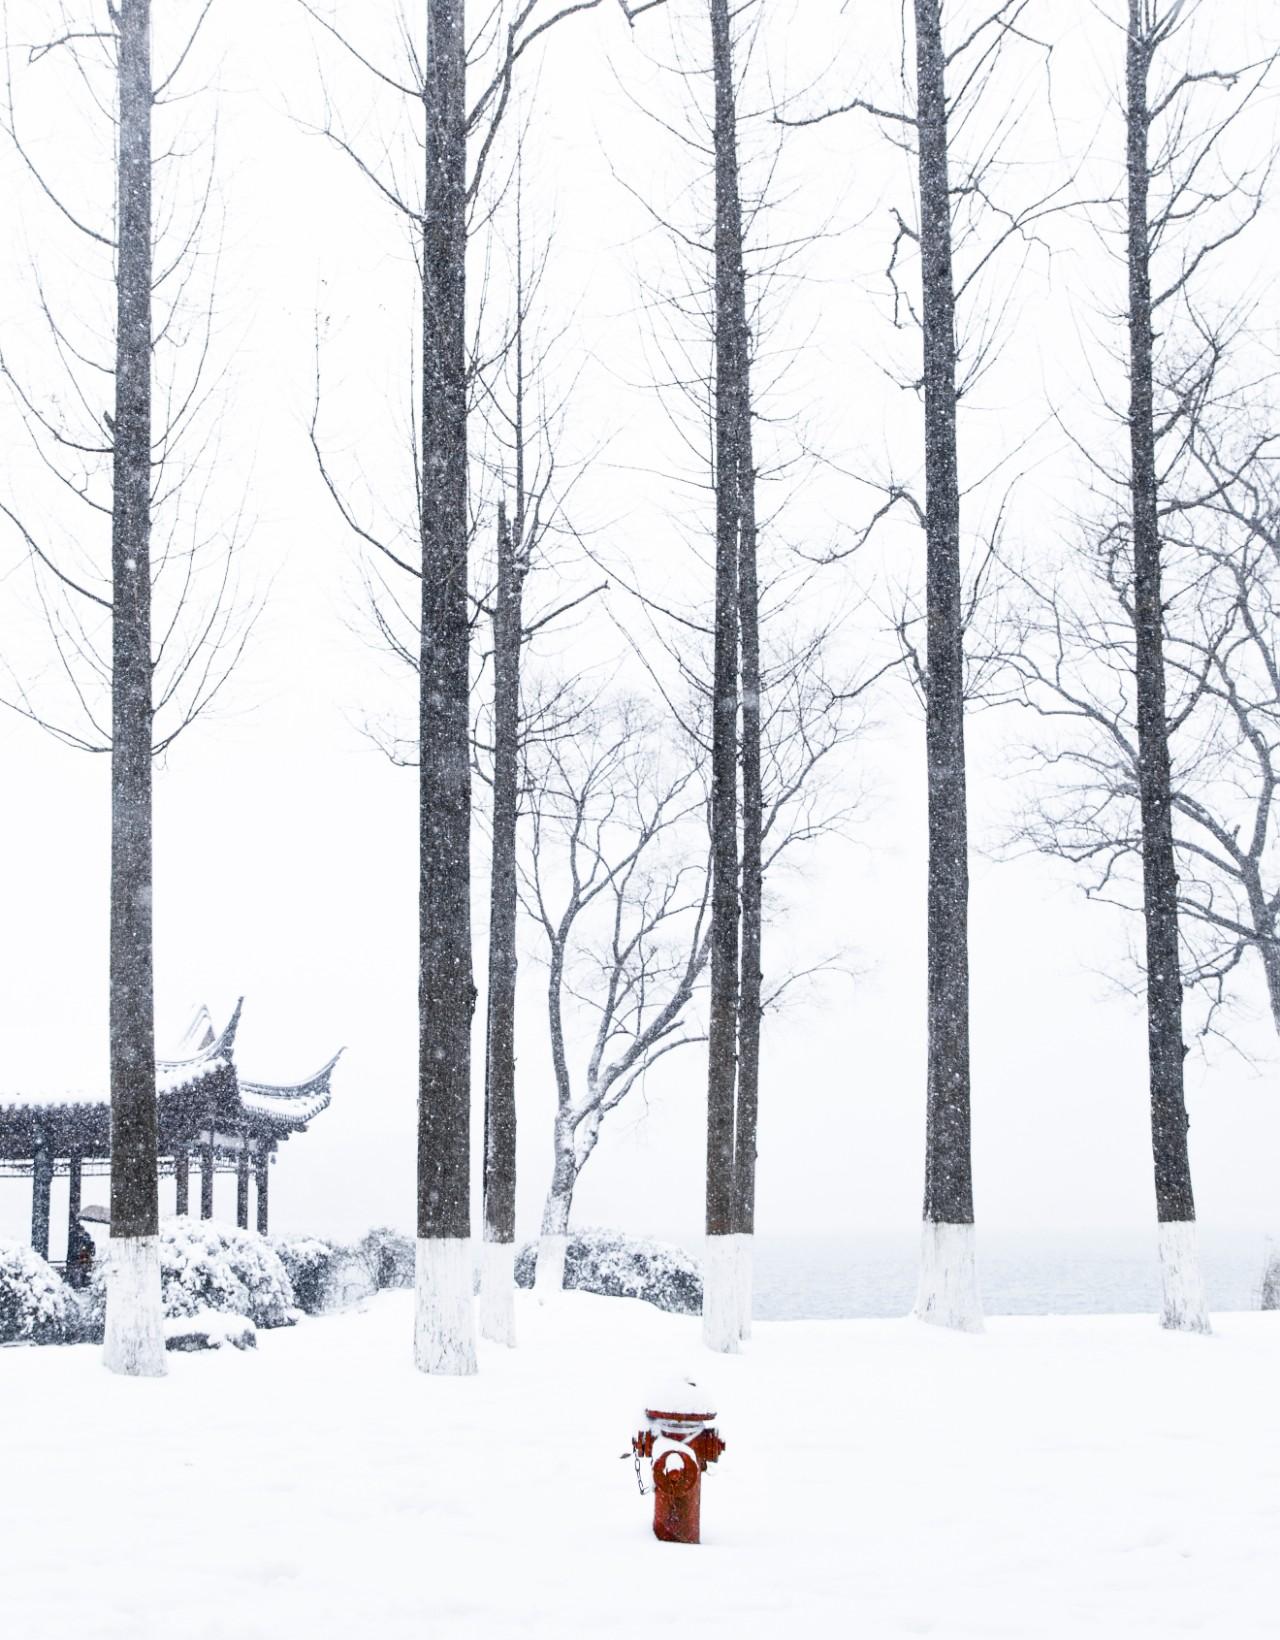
(206, 1178)
(76, 1268)
(242, 1183)
(182, 1181)
(41, 1181)
(264, 1175)
(73, 1202)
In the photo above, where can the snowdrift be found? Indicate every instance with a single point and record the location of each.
(1050, 1479)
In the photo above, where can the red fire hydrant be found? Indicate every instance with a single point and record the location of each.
(681, 1441)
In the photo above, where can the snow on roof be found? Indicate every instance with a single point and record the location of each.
(289, 1106)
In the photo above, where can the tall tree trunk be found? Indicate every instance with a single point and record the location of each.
(445, 1321)
(719, 1312)
(948, 1282)
(1183, 1293)
(749, 994)
(497, 1279)
(134, 1340)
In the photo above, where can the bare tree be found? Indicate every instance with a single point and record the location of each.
(618, 883)
(459, 137)
(958, 227)
(1177, 632)
(173, 642)
(1224, 805)
(717, 322)
(721, 1318)
(523, 458)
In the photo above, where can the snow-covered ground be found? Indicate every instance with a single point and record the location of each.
(1089, 1476)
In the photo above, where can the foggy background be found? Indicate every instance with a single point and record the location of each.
(286, 844)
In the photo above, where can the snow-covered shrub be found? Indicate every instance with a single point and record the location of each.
(209, 1266)
(1271, 1280)
(349, 1279)
(389, 1256)
(36, 1306)
(309, 1263)
(620, 1266)
(209, 1330)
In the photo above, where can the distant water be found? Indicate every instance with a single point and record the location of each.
(1038, 1273)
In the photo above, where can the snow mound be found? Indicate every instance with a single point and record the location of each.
(621, 1266)
(209, 1330)
(206, 1266)
(35, 1306)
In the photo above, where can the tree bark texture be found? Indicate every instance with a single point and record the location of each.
(446, 994)
(500, 1066)
(948, 1191)
(729, 353)
(752, 976)
(134, 1195)
(1174, 1200)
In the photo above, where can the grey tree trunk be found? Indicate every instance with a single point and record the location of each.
(500, 1068)
(497, 1312)
(749, 993)
(134, 1206)
(446, 993)
(721, 1328)
(134, 1344)
(948, 1188)
(722, 1039)
(752, 877)
(1175, 1204)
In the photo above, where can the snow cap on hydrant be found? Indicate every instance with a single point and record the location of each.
(680, 1440)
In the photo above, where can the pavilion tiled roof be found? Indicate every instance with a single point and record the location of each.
(203, 1079)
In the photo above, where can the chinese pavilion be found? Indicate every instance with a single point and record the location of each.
(205, 1112)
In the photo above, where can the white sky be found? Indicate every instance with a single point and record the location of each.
(286, 844)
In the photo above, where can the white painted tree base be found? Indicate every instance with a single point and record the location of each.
(133, 1341)
(498, 1292)
(745, 1282)
(444, 1323)
(721, 1310)
(548, 1279)
(948, 1291)
(1185, 1308)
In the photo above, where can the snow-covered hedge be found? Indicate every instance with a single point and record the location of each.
(309, 1263)
(209, 1266)
(36, 1307)
(1271, 1280)
(389, 1256)
(620, 1266)
(327, 1276)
